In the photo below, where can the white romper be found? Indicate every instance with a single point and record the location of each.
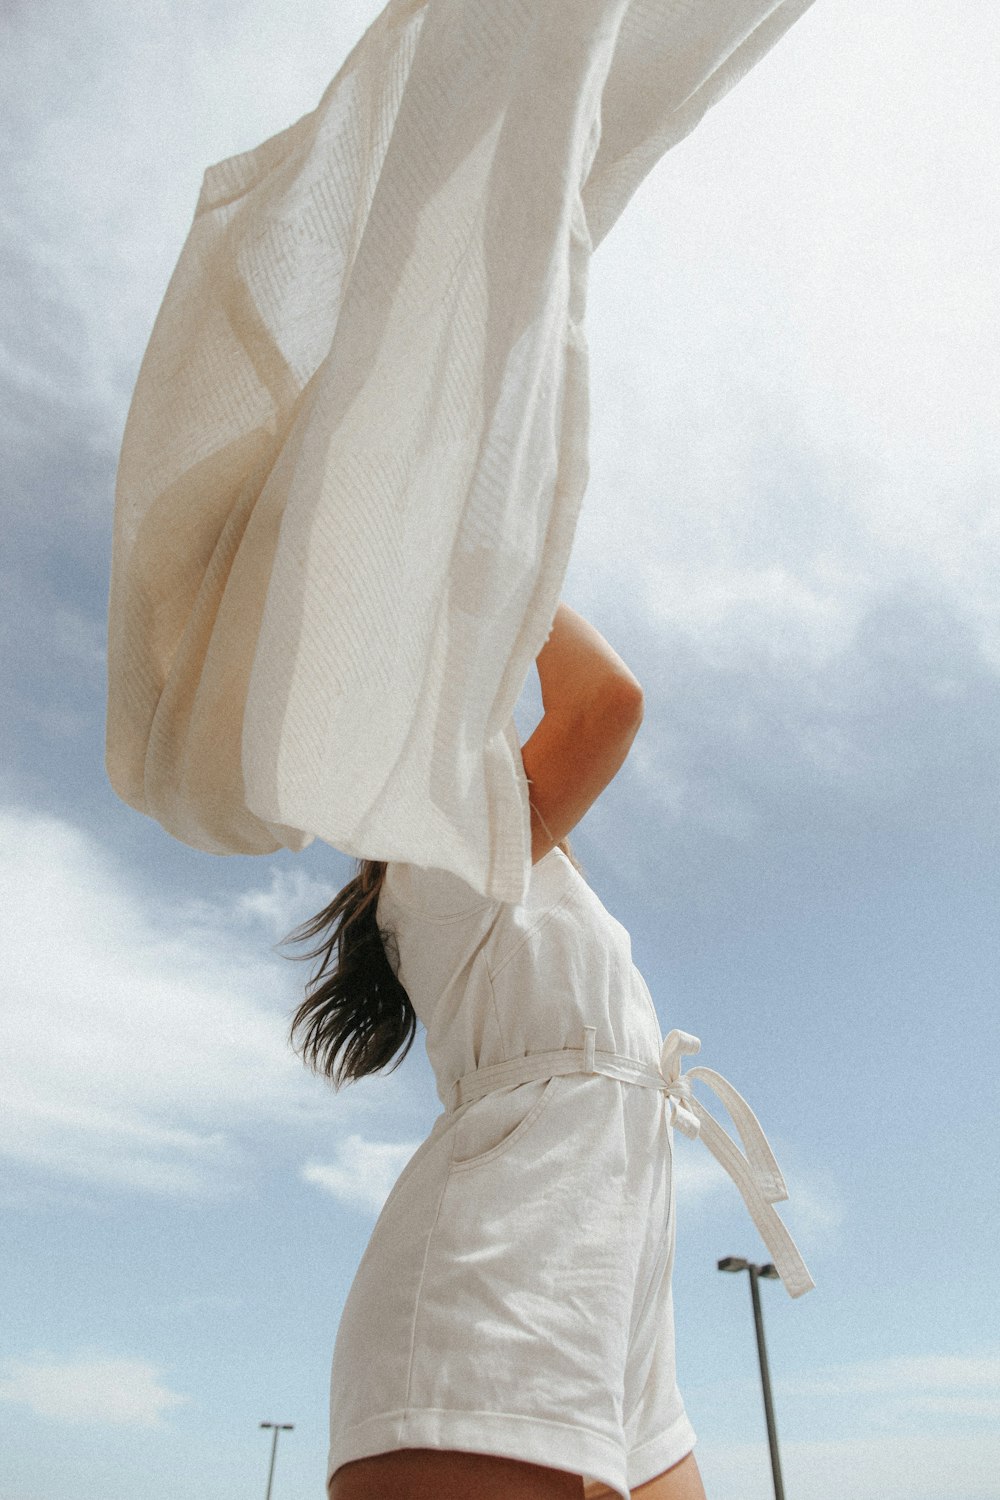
(515, 1296)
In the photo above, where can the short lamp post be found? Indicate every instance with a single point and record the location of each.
(769, 1273)
(277, 1427)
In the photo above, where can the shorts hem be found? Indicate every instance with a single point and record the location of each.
(554, 1445)
(668, 1448)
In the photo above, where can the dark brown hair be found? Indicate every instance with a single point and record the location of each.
(356, 1017)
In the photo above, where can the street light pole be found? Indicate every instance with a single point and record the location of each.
(736, 1263)
(278, 1427)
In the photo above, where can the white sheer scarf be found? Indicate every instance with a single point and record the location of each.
(357, 447)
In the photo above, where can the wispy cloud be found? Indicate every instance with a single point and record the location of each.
(362, 1172)
(281, 905)
(931, 1376)
(780, 437)
(917, 1467)
(109, 137)
(139, 1041)
(697, 1175)
(900, 725)
(114, 1392)
(814, 1213)
(816, 1210)
(909, 1373)
(932, 1393)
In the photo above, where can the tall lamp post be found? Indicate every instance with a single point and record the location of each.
(277, 1427)
(769, 1273)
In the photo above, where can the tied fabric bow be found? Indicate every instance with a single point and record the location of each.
(754, 1169)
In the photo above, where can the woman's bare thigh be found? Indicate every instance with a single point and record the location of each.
(682, 1482)
(439, 1474)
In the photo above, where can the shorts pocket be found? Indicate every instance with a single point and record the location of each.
(491, 1125)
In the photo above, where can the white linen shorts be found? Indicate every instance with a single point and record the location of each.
(515, 1296)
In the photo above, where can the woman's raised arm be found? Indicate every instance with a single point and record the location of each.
(593, 709)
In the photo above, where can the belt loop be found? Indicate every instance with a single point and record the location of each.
(589, 1043)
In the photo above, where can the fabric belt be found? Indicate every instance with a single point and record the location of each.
(754, 1169)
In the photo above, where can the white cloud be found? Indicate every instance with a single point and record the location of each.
(363, 1172)
(118, 1392)
(139, 1039)
(656, 759)
(112, 135)
(904, 1393)
(987, 1407)
(697, 1174)
(814, 1212)
(290, 897)
(904, 1375)
(917, 1467)
(794, 363)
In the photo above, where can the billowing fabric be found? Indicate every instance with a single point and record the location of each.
(356, 450)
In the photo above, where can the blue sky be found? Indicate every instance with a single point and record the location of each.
(790, 533)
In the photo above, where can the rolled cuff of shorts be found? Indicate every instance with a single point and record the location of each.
(555, 1445)
(662, 1452)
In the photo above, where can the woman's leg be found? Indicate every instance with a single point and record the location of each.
(437, 1474)
(682, 1482)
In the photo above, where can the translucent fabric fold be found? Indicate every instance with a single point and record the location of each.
(357, 447)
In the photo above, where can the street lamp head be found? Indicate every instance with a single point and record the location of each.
(280, 1426)
(733, 1263)
(769, 1272)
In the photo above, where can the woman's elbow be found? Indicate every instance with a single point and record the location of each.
(621, 705)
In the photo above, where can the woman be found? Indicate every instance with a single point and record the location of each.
(509, 1332)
